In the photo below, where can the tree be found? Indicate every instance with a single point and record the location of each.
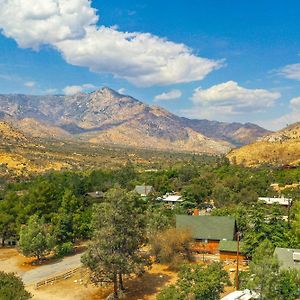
(197, 282)
(35, 238)
(12, 287)
(119, 233)
(263, 271)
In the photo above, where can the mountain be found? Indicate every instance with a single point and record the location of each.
(107, 117)
(235, 133)
(279, 148)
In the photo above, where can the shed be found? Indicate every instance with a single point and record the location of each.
(228, 250)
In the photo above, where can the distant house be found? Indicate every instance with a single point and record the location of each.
(228, 250)
(288, 258)
(144, 190)
(170, 199)
(241, 295)
(281, 201)
(95, 195)
(208, 231)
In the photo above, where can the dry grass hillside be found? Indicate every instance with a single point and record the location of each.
(279, 148)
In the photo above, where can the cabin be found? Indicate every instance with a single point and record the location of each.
(208, 231)
(228, 250)
(144, 190)
(288, 258)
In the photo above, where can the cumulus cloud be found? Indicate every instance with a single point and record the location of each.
(173, 94)
(70, 26)
(34, 23)
(30, 84)
(75, 89)
(231, 98)
(295, 103)
(291, 71)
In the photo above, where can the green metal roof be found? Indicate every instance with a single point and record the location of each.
(231, 246)
(285, 257)
(208, 227)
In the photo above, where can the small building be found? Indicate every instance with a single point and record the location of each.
(144, 190)
(208, 231)
(241, 295)
(281, 201)
(228, 250)
(288, 258)
(170, 199)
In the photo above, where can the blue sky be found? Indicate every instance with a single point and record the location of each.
(220, 60)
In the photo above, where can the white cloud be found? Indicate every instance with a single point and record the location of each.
(295, 103)
(291, 71)
(34, 23)
(75, 89)
(290, 117)
(141, 58)
(173, 94)
(30, 84)
(122, 91)
(230, 98)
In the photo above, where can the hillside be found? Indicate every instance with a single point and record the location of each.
(278, 148)
(107, 117)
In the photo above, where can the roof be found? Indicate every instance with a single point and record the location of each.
(241, 295)
(171, 198)
(208, 227)
(280, 201)
(143, 190)
(231, 246)
(285, 257)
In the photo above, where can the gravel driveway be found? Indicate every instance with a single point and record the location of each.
(44, 272)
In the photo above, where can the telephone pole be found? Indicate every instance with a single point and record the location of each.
(237, 261)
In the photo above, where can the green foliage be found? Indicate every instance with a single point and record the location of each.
(119, 233)
(12, 287)
(197, 282)
(64, 249)
(35, 238)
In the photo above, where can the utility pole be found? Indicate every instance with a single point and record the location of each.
(237, 262)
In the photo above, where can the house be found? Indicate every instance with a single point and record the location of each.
(228, 250)
(208, 231)
(288, 258)
(241, 295)
(281, 201)
(170, 199)
(144, 190)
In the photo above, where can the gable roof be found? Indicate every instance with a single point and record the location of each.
(285, 258)
(208, 227)
(230, 246)
(143, 190)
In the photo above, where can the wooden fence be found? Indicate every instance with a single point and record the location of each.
(54, 279)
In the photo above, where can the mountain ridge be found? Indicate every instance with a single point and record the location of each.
(105, 116)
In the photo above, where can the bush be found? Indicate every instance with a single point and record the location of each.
(64, 249)
(12, 287)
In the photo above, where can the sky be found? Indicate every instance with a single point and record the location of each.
(232, 61)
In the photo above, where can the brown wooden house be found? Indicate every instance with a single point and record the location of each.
(208, 231)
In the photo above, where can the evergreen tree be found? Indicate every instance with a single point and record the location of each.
(119, 233)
